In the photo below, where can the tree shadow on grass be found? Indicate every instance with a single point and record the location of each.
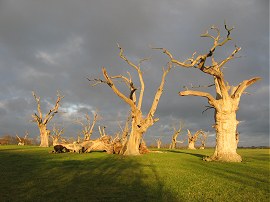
(183, 152)
(74, 177)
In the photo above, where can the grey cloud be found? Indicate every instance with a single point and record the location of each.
(55, 45)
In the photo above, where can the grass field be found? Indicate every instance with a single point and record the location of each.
(33, 174)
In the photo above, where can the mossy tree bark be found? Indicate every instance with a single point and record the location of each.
(227, 97)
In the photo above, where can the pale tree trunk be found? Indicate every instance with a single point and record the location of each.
(226, 127)
(44, 135)
(191, 145)
(202, 147)
(158, 143)
(132, 147)
(173, 144)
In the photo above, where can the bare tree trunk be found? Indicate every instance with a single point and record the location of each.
(133, 142)
(44, 135)
(191, 145)
(226, 145)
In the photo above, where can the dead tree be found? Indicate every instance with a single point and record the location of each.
(175, 135)
(227, 98)
(158, 141)
(87, 129)
(22, 141)
(193, 138)
(140, 123)
(203, 139)
(56, 135)
(42, 122)
(101, 130)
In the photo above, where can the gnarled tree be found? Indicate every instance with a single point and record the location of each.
(43, 121)
(175, 135)
(227, 98)
(140, 123)
(22, 141)
(193, 138)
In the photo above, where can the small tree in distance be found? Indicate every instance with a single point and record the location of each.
(227, 98)
(175, 135)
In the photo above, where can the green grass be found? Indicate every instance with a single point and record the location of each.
(33, 174)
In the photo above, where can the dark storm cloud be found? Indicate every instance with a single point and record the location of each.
(53, 45)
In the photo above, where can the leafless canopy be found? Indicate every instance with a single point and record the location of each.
(215, 68)
(39, 117)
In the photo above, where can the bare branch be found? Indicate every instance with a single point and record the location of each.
(38, 105)
(54, 110)
(116, 91)
(242, 86)
(159, 91)
(121, 54)
(210, 98)
(207, 108)
(97, 81)
(232, 56)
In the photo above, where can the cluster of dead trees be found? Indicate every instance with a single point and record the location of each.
(191, 138)
(225, 103)
(106, 143)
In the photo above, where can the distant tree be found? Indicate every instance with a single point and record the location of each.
(87, 127)
(175, 135)
(22, 141)
(42, 122)
(56, 134)
(158, 141)
(227, 98)
(203, 139)
(140, 123)
(193, 138)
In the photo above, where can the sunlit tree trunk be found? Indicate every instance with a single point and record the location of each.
(133, 143)
(226, 127)
(44, 135)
